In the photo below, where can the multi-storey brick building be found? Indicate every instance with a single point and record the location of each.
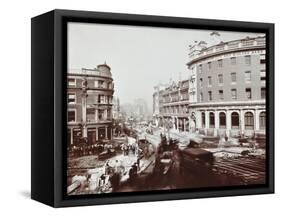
(170, 105)
(225, 93)
(89, 97)
(229, 80)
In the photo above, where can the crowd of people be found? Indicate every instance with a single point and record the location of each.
(84, 149)
(114, 169)
(130, 148)
(96, 149)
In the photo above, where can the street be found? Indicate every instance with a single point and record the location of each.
(228, 169)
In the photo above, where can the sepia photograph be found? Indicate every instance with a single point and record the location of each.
(158, 108)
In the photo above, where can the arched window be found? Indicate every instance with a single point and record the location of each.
(262, 120)
(249, 121)
(203, 120)
(212, 119)
(234, 120)
(222, 120)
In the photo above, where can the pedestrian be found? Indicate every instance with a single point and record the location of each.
(133, 172)
(138, 163)
(122, 148)
(102, 180)
(115, 181)
(88, 177)
(135, 168)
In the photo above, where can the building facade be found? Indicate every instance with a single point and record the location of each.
(170, 105)
(89, 98)
(229, 83)
(225, 93)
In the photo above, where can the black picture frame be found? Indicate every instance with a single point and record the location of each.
(48, 70)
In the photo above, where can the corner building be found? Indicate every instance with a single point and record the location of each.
(228, 87)
(89, 110)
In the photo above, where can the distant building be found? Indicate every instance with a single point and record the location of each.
(127, 110)
(170, 105)
(229, 87)
(89, 97)
(138, 110)
(116, 108)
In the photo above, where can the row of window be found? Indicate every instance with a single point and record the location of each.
(174, 110)
(175, 97)
(103, 99)
(102, 114)
(96, 84)
(235, 124)
(233, 75)
(247, 61)
(248, 92)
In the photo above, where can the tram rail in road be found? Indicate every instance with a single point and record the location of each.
(249, 170)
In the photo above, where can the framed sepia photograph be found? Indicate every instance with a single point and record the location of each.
(135, 108)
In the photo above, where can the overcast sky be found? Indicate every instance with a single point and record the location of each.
(139, 57)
